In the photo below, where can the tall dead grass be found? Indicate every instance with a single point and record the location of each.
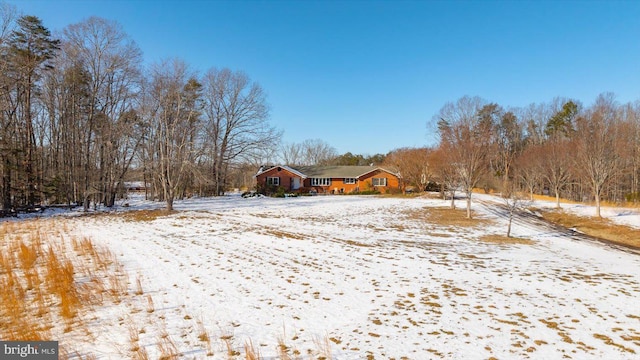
(44, 283)
(52, 283)
(601, 228)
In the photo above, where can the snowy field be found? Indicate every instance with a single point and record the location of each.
(368, 277)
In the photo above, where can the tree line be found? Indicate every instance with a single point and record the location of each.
(79, 114)
(561, 148)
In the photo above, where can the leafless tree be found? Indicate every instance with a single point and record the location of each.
(630, 146)
(596, 147)
(509, 139)
(529, 168)
(291, 153)
(557, 163)
(513, 201)
(171, 110)
(467, 139)
(445, 172)
(110, 62)
(236, 123)
(317, 152)
(412, 164)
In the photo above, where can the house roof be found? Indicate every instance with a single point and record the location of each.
(327, 171)
(335, 171)
(265, 169)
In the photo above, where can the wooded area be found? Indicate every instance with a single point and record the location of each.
(561, 148)
(80, 116)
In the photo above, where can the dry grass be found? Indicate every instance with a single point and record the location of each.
(139, 291)
(203, 335)
(323, 347)
(45, 283)
(145, 215)
(48, 277)
(227, 339)
(250, 351)
(446, 217)
(167, 347)
(503, 240)
(150, 306)
(280, 234)
(601, 228)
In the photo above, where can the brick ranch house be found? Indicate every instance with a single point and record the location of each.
(326, 179)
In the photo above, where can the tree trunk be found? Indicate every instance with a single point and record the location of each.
(6, 185)
(597, 197)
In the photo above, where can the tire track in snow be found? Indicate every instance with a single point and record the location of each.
(534, 222)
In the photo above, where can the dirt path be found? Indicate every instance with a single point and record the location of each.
(536, 222)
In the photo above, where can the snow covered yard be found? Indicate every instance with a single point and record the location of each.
(368, 277)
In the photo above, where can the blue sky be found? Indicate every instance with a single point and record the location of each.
(367, 76)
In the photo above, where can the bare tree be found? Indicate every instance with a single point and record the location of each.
(412, 164)
(557, 164)
(529, 168)
(291, 153)
(111, 62)
(467, 138)
(513, 202)
(509, 144)
(630, 146)
(317, 152)
(237, 126)
(172, 112)
(445, 172)
(596, 136)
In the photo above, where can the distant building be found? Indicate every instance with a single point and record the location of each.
(326, 179)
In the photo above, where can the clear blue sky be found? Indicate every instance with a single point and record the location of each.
(367, 76)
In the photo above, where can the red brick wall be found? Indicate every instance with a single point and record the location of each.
(286, 178)
(337, 184)
(362, 184)
(367, 183)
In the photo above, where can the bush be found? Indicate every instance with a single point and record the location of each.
(365, 192)
(280, 192)
(394, 191)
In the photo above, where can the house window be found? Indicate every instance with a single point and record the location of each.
(379, 181)
(320, 181)
(349, 181)
(273, 181)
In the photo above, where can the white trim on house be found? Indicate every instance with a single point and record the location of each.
(273, 181)
(285, 167)
(320, 181)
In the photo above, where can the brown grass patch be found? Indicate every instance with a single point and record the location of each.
(601, 228)
(45, 281)
(551, 199)
(607, 340)
(280, 234)
(503, 240)
(446, 217)
(146, 215)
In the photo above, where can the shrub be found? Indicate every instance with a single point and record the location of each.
(365, 192)
(279, 192)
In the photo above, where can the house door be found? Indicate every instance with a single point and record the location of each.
(296, 184)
